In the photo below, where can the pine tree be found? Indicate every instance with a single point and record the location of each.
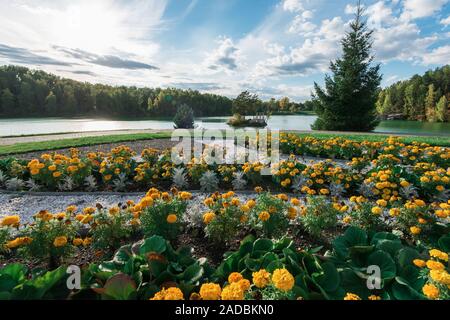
(348, 101)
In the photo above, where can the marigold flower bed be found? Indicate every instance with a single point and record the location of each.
(389, 207)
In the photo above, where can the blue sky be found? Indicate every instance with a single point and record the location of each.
(273, 48)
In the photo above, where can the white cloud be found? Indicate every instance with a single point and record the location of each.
(350, 9)
(414, 9)
(445, 21)
(292, 5)
(224, 57)
(439, 56)
(301, 23)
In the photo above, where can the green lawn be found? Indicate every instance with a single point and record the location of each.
(89, 141)
(78, 142)
(432, 140)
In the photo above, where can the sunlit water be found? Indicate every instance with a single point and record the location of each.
(13, 127)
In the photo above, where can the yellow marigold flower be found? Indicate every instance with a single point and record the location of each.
(439, 254)
(441, 276)
(415, 230)
(245, 284)
(374, 297)
(89, 210)
(251, 203)
(235, 277)
(264, 216)
(208, 202)
(172, 218)
(351, 296)
(56, 174)
(169, 294)
(324, 191)
(71, 209)
(10, 221)
(283, 279)
(258, 189)
(440, 188)
(114, 210)
(295, 202)
(431, 291)
(245, 208)
(261, 278)
(233, 291)
(419, 203)
(87, 241)
(435, 265)
(18, 242)
(52, 167)
(404, 183)
(347, 219)
(208, 217)
(382, 203)
(243, 218)
(185, 195)
(77, 242)
(377, 210)
(419, 263)
(60, 241)
(210, 291)
(292, 213)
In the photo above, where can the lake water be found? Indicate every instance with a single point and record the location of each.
(10, 127)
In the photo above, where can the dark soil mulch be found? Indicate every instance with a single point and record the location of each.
(137, 146)
(202, 247)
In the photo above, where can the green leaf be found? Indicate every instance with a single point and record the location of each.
(16, 271)
(118, 287)
(262, 246)
(390, 246)
(38, 287)
(245, 248)
(384, 261)
(193, 273)
(402, 291)
(123, 255)
(383, 236)
(329, 279)
(406, 256)
(353, 237)
(153, 244)
(444, 243)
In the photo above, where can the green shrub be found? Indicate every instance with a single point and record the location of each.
(224, 219)
(51, 238)
(269, 216)
(111, 227)
(319, 214)
(164, 218)
(184, 118)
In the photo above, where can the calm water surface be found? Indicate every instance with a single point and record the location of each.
(9, 127)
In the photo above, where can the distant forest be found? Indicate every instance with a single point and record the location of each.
(424, 98)
(25, 92)
(28, 93)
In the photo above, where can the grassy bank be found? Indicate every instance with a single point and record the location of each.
(78, 142)
(432, 140)
(89, 141)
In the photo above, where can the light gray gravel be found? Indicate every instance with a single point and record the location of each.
(27, 205)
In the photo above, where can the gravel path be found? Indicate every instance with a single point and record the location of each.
(26, 205)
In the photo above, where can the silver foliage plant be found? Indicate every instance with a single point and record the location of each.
(209, 181)
(409, 192)
(90, 183)
(3, 178)
(179, 178)
(298, 183)
(337, 189)
(67, 184)
(14, 184)
(32, 185)
(239, 182)
(120, 183)
(366, 189)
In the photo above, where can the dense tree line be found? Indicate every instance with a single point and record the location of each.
(419, 98)
(25, 92)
